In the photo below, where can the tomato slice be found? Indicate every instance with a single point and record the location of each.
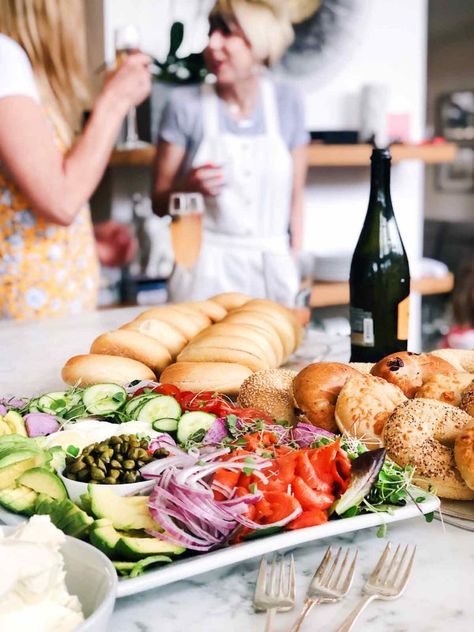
(162, 389)
(185, 398)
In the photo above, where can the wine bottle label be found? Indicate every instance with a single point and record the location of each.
(362, 327)
(403, 318)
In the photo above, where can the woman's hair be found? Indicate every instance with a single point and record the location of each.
(265, 24)
(51, 32)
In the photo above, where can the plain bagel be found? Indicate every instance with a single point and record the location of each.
(134, 345)
(315, 391)
(464, 453)
(421, 432)
(224, 377)
(270, 391)
(92, 368)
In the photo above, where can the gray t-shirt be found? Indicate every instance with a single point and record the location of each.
(182, 119)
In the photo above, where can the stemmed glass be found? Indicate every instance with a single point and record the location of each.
(127, 40)
(186, 211)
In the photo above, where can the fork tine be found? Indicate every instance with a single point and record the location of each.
(406, 575)
(400, 565)
(350, 575)
(281, 577)
(292, 579)
(375, 573)
(261, 577)
(335, 582)
(390, 567)
(271, 587)
(324, 562)
(329, 574)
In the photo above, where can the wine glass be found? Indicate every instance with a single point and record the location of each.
(127, 40)
(186, 211)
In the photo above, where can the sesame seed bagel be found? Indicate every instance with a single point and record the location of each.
(270, 391)
(467, 399)
(464, 453)
(421, 432)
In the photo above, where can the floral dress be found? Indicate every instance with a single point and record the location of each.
(46, 270)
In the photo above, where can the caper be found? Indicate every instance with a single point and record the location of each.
(83, 475)
(71, 477)
(78, 465)
(105, 458)
(129, 464)
(144, 444)
(114, 473)
(119, 458)
(101, 465)
(102, 448)
(89, 459)
(129, 477)
(108, 480)
(114, 440)
(96, 474)
(115, 463)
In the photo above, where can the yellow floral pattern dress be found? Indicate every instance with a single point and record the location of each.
(46, 270)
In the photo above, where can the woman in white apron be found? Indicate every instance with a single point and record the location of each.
(240, 142)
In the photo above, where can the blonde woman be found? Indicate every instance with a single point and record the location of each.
(48, 258)
(242, 144)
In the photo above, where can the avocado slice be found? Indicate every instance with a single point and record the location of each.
(4, 427)
(9, 474)
(104, 536)
(136, 548)
(19, 499)
(43, 481)
(16, 423)
(125, 512)
(65, 515)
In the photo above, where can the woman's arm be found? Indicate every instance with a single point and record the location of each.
(300, 168)
(57, 185)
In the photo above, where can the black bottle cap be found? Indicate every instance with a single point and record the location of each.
(379, 153)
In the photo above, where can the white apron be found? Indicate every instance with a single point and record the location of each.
(245, 244)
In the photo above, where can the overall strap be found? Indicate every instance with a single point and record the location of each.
(210, 111)
(270, 108)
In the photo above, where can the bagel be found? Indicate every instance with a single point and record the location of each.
(461, 359)
(165, 333)
(283, 327)
(464, 453)
(231, 300)
(364, 405)
(92, 368)
(410, 370)
(445, 388)
(277, 311)
(315, 391)
(134, 345)
(270, 391)
(467, 399)
(187, 324)
(253, 320)
(224, 377)
(421, 432)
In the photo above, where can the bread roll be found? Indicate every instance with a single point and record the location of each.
(165, 333)
(271, 392)
(464, 453)
(134, 345)
(362, 367)
(461, 359)
(315, 390)
(410, 370)
(231, 300)
(276, 310)
(364, 405)
(242, 331)
(214, 311)
(249, 319)
(467, 399)
(186, 324)
(223, 377)
(225, 349)
(445, 388)
(421, 433)
(84, 370)
(283, 327)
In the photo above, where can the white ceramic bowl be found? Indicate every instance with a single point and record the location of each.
(90, 576)
(75, 489)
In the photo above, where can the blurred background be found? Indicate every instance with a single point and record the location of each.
(400, 70)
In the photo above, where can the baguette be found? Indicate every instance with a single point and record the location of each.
(134, 345)
(224, 377)
(84, 370)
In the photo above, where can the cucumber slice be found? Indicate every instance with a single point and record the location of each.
(33, 406)
(192, 422)
(165, 425)
(134, 404)
(103, 399)
(163, 406)
(57, 402)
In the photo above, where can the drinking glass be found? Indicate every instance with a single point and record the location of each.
(186, 211)
(127, 40)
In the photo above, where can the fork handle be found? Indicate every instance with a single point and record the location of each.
(354, 615)
(309, 603)
(269, 619)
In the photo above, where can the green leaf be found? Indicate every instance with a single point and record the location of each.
(253, 488)
(382, 531)
(72, 450)
(247, 471)
(429, 516)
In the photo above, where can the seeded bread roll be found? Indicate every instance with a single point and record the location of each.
(165, 333)
(134, 345)
(92, 368)
(271, 392)
(223, 377)
(464, 453)
(421, 433)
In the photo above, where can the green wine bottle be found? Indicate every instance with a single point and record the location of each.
(380, 276)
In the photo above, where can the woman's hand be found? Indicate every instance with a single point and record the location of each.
(115, 244)
(130, 83)
(207, 179)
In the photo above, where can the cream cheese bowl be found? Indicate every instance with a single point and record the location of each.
(91, 576)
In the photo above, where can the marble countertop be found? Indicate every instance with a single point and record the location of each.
(438, 597)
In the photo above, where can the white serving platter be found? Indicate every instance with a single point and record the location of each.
(204, 562)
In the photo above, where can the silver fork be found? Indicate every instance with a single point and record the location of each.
(272, 592)
(388, 580)
(330, 582)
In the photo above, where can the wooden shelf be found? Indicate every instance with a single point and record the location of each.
(319, 155)
(329, 294)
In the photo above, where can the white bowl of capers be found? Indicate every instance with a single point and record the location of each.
(114, 462)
